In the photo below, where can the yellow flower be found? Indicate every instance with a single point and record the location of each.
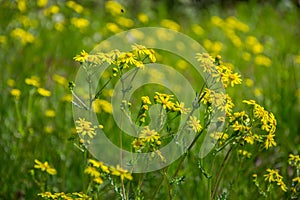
(167, 23)
(112, 27)
(51, 10)
(92, 171)
(98, 180)
(33, 80)
(149, 135)
(50, 113)
(16, 93)
(194, 124)
(42, 3)
(67, 98)
(44, 92)
(80, 23)
(180, 108)
(11, 82)
(82, 57)
(22, 6)
(60, 80)
(23, 35)
(138, 144)
(3, 39)
(118, 171)
(100, 105)
(197, 29)
(146, 100)
(125, 22)
(114, 7)
(142, 17)
(270, 141)
(297, 179)
(99, 164)
(75, 6)
(164, 100)
(44, 167)
(83, 127)
(263, 60)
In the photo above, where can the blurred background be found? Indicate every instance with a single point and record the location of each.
(38, 40)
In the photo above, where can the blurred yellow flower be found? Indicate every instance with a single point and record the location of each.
(198, 30)
(125, 22)
(217, 21)
(167, 23)
(16, 93)
(50, 113)
(112, 27)
(44, 167)
(60, 80)
(33, 80)
(67, 98)
(23, 35)
(44, 92)
(11, 82)
(114, 7)
(246, 56)
(51, 10)
(297, 58)
(22, 6)
(42, 3)
(100, 105)
(263, 60)
(142, 17)
(249, 82)
(75, 6)
(80, 23)
(3, 39)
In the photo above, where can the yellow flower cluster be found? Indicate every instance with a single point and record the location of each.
(97, 170)
(121, 60)
(218, 70)
(268, 122)
(294, 160)
(44, 167)
(147, 139)
(23, 35)
(273, 176)
(66, 196)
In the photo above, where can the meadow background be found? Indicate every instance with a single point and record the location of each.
(38, 40)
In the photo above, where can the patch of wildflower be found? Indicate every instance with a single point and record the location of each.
(273, 176)
(62, 195)
(267, 121)
(44, 167)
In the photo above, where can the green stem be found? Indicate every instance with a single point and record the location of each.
(218, 177)
(20, 123)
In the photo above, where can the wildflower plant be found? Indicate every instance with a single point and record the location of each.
(168, 124)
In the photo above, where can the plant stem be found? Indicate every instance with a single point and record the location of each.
(218, 177)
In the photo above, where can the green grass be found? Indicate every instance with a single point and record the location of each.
(27, 134)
